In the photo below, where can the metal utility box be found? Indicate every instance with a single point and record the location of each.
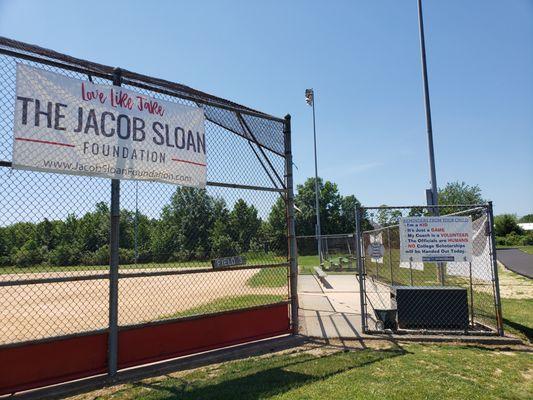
(428, 307)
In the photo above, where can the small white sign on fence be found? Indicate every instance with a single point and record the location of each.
(375, 249)
(434, 239)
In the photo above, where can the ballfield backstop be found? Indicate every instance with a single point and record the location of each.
(100, 274)
(428, 269)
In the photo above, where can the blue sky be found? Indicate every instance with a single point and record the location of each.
(361, 57)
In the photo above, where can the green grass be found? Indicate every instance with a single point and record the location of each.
(307, 263)
(401, 276)
(517, 314)
(269, 277)
(227, 304)
(518, 317)
(409, 372)
(52, 268)
(250, 260)
(525, 249)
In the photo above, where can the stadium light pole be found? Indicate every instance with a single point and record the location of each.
(431, 200)
(432, 194)
(310, 99)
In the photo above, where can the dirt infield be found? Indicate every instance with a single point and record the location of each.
(53, 309)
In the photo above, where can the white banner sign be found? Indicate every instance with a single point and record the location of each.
(76, 127)
(481, 265)
(436, 239)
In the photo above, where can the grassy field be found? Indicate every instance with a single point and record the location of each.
(307, 263)
(525, 249)
(380, 371)
(228, 303)
(517, 303)
(250, 260)
(400, 275)
(518, 317)
(269, 277)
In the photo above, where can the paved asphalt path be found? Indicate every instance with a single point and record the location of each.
(517, 261)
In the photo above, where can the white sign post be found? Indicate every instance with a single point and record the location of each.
(436, 239)
(71, 126)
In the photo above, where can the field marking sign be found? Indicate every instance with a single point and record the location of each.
(433, 239)
(226, 262)
(70, 126)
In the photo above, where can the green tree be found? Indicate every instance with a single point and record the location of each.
(330, 207)
(222, 243)
(29, 254)
(276, 227)
(337, 214)
(526, 218)
(455, 193)
(505, 224)
(183, 233)
(244, 224)
(347, 218)
(387, 216)
(91, 231)
(44, 234)
(4, 247)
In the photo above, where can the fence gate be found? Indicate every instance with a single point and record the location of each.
(100, 274)
(409, 295)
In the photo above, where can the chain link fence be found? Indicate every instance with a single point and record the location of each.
(338, 252)
(55, 241)
(406, 296)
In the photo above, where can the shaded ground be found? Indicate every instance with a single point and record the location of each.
(348, 370)
(517, 261)
(333, 310)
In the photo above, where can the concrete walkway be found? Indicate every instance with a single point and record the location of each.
(517, 261)
(333, 310)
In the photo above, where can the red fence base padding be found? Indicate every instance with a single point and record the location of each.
(45, 363)
(173, 339)
(34, 365)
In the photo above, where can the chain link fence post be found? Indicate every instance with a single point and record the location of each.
(390, 257)
(360, 269)
(293, 257)
(496, 281)
(114, 264)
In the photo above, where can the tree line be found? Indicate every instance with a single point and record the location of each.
(193, 226)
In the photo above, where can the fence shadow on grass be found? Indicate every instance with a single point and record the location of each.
(522, 329)
(266, 377)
